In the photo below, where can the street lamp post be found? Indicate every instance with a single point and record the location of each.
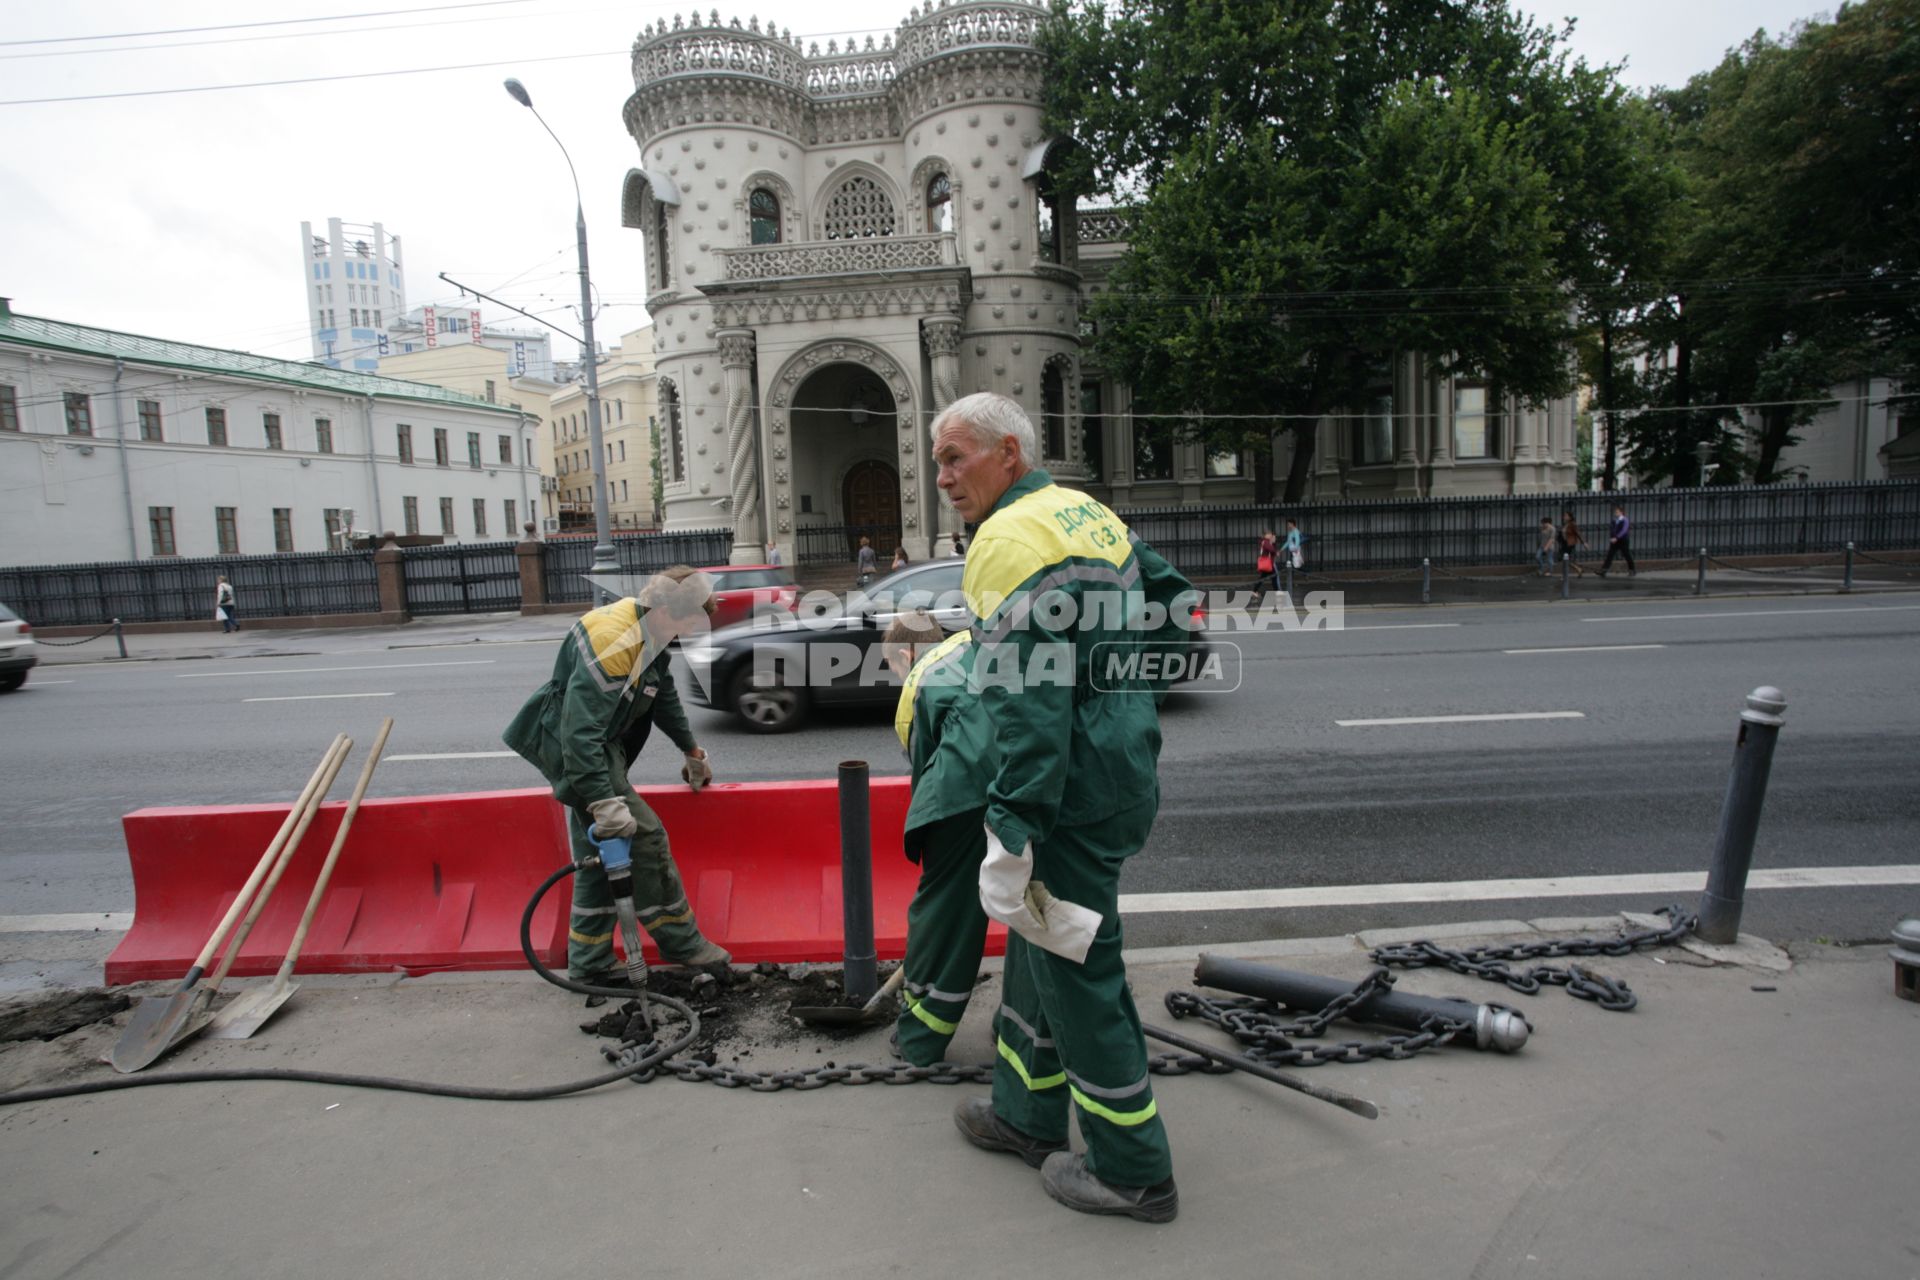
(605, 564)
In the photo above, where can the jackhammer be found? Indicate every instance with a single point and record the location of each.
(616, 860)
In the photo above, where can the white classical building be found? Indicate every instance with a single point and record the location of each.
(115, 446)
(840, 244)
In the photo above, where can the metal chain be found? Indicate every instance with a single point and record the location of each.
(1268, 1038)
(1905, 566)
(64, 644)
(1718, 563)
(1492, 962)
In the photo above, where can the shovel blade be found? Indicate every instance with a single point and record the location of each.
(155, 1027)
(836, 1015)
(249, 1011)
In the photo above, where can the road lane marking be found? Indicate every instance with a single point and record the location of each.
(1589, 648)
(1760, 613)
(457, 755)
(307, 671)
(1475, 719)
(1391, 626)
(317, 697)
(1351, 895)
(75, 922)
(38, 683)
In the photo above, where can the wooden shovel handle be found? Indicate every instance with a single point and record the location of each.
(333, 854)
(344, 747)
(266, 860)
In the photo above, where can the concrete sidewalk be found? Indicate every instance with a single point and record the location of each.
(262, 642)
(1746, 1119)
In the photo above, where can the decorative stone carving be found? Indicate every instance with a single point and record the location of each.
(836, 257)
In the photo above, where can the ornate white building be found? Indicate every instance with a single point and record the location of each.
(840, 244)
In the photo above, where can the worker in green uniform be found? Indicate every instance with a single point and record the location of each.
(583, 729)
(952, 756)
(1060, 594)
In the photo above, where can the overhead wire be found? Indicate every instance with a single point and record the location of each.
(275, 22)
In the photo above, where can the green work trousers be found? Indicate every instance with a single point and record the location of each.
(659, 899)
(946, 931)
(1069, 1031)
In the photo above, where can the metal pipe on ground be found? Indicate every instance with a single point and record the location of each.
(861, 976)
(1493, 1028)
(1721, 904)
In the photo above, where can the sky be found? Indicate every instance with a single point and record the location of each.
(178, 215)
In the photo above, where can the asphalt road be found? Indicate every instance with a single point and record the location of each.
(1262, 788)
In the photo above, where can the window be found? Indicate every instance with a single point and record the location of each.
(353, 317)
(479, 517)
(226, 523)
(9, 408)
(323, 435)
(160, 529)
(662, 276)
(1223, 462)
(149, 420)
(79, 414)
(490, 399)
(1152, 451)
(411, 508)
(216, 427)
(283, 528)
(623, 451)
(940, 203)
(473, 449)
(763, 216)
(1053, 411)
(1047, 220)
(336, 530)
(508, 504)
(1474, 428)
(272, 423)
(676, 447)
(1092, 429)
(506, 454)
(441, 458)
(859, 210)
(623, 491)
(405, 435)
(446, 517)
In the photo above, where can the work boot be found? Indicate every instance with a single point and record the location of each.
(1067, 1180)
(708, 956)
(604, 978)
(981, 1125)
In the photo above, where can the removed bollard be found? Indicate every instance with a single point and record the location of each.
(1493, 1027)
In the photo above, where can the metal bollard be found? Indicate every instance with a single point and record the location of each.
(1566, 574)
(1426, 582)
(1700, 578)
(120, 635)
(1289, 567)
(1760, 725)
(1493, 1028)
(1846, 583)
(856, 882)
(1906, 959)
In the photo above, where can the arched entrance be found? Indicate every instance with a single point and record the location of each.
(871, 498)
(846, 475)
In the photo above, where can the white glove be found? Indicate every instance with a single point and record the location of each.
(697, 772)
(1009, 894)
(612, 819)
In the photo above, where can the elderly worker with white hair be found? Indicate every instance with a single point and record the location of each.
(1057, 588)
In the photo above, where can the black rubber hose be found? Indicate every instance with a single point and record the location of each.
(395, 1084)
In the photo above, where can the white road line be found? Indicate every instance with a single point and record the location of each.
(317, 697)
(1760, 613)
(1392, 626)
(1589, 648)
(1684, 882)
(456, 755)
(75, 922)
(38, 683)
(1479, 719)
(308, 671)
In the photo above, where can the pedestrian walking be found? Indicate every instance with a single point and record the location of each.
(864, 558)
(1054, 576)
(773, 552)
(899, 558)
(1266, 562)
(1617, 543)
(952, 761)
(1570, 541)
(223, 607)
(1549, 541)
(1292, 547)
(959, 545)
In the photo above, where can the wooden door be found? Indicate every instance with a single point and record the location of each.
(872, 503)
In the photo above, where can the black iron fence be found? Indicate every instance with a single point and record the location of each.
(1733, 520)
(840, 543)
(569, 558)
(174, 590)
(480, 577)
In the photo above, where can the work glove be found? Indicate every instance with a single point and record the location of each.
(697, 772)
(1010, 894)
(612, 819)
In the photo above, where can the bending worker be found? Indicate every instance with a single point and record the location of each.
(583, 729)
(1060, 595)
(952, 757)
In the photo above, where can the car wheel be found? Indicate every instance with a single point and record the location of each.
(766, 710)
(8, 683)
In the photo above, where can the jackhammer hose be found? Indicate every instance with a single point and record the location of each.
(395, 1084)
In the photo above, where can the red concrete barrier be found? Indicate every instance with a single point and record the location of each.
(439, 882)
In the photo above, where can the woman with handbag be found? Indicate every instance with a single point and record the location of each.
(1267, 563)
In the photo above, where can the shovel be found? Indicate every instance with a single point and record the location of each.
(249, 1010)
(840, 1015)
(158, 1023)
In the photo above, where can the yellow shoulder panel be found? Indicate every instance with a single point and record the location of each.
(614, 632)
(1049, 526)
(903, 713)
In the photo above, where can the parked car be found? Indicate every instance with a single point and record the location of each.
(742, 592)
(771, 673)
(18, 652)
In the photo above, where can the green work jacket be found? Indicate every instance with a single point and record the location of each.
(584, 726)
(1058, 589)
(948, 743)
